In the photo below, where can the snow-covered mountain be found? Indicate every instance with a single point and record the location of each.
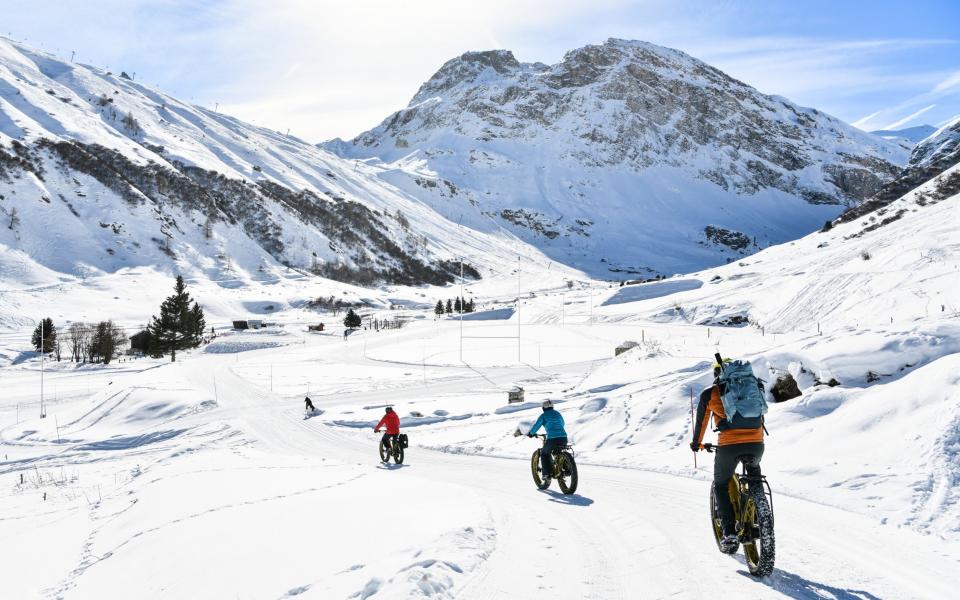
(909, 136)
(931, 158)
(99, 173)
(624, 157)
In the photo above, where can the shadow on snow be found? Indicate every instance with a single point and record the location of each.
(794, 586)
(571, 500)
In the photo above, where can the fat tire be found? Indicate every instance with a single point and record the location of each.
(384, 453)
(766, 544)
(398, 454)
(535, 469)
(566, 462)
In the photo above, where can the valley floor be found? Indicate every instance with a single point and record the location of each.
(204, 479)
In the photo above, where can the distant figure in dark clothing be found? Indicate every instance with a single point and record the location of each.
(309, 405)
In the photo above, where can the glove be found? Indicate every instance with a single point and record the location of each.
(695, 446)
(530, 435)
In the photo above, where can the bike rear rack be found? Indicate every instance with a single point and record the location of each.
(762, 480)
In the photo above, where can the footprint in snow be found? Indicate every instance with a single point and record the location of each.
(297, 591)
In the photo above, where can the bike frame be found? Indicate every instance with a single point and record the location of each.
(392, 447)
(743, 480)
(556, 453)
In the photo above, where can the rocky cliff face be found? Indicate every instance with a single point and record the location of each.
(625, 135)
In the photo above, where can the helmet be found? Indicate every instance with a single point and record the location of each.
(388, 409)
(719, 366)
(547, 404)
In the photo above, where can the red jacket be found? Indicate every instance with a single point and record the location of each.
(392, 421)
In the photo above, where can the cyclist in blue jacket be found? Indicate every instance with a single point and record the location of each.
(552, 422)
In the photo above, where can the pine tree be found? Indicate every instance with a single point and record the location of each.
(449, 306)
(49, 333)
(197, 324)
(179, 325)
(107, 337)
(457, 305)
(470, 306)
(438, 309)
(352, 320)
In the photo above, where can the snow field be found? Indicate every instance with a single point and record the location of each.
(203, 478)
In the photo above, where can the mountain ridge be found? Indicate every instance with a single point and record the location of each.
(583, 138)
(117, 175)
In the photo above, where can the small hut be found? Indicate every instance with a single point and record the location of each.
(515, 395)
(139, 343)
(240, 325)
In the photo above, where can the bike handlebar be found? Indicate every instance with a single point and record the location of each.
(709, 447)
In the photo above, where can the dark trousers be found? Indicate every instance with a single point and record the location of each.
(724, 466)
(387, 438)
(546, 455)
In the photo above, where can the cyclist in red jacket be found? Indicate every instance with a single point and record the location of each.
(391, 422)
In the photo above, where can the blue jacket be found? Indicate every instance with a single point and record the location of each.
(552, 422)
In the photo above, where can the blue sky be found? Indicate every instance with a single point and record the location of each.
(326, 69)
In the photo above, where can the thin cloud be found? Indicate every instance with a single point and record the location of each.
(863, 121)
(949, 84)
(948, 122)
(910, 117)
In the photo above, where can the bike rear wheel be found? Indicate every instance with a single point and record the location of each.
(566, 472)
(535, 470)
(716, 525)
(760, 551)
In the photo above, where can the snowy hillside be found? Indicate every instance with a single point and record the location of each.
(141, 459)
(930, 159)
(624, 158)
(909, 137)
(99, 173)
(864, 317)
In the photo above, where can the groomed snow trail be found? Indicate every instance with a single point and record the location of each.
(626, 534)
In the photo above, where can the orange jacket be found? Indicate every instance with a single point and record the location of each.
(710, 403)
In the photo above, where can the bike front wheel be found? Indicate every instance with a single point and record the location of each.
(384, 452)
(566, 471)
(535, 470)
(716, 525)
(398, 454)
(760, 551)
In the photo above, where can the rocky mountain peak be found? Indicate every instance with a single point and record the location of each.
(467, 68)
(941, 148)
(566, 155)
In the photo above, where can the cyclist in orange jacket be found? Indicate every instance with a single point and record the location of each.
(735, 445)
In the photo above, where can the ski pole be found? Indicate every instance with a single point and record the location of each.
(693, 424)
